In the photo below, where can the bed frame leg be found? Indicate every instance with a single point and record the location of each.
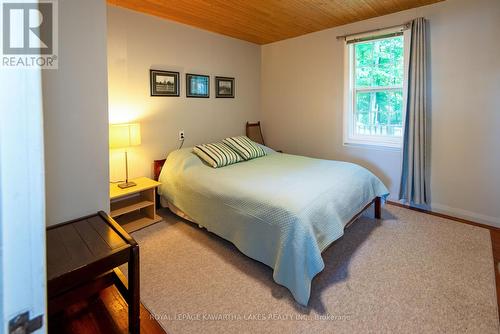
(378, 207)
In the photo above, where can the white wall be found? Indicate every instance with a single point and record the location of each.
(302, 103)
(138, 43)
(75, 105)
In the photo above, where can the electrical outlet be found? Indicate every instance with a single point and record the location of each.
(181, 135)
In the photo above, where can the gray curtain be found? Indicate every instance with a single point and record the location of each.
(415, 177)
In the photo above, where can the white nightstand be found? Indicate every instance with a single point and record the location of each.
(135, 207)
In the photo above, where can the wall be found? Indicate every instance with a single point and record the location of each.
(302, 104)
(75, 105)
(138, 43)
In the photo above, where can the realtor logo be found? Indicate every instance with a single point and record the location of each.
(29, 34)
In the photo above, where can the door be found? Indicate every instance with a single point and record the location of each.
(22, 200)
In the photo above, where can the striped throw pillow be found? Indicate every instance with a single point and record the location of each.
(217, 154)
(245, 147)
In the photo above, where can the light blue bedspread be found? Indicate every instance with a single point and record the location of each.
(280, 209)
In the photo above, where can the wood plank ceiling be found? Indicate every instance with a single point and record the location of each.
(266, 21)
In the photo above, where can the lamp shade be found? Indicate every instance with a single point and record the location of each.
(124, 135)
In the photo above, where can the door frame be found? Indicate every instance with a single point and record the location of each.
(22, 197)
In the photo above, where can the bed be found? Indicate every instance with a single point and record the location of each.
(282, 210)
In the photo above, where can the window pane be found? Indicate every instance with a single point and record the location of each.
(379, 62)
(379, 76)
(379, 113)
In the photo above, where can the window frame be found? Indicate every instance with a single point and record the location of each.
(349, 137)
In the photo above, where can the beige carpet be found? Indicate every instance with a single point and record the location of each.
(410, 273)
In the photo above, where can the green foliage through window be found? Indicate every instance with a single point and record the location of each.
(378, 87)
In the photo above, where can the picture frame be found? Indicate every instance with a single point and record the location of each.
(164, 83)
(197, 85)
(224, 87)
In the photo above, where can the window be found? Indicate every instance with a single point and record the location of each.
(376, 91)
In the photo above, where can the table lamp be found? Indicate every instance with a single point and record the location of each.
(124, 136)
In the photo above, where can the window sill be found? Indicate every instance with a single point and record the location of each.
(373, 146)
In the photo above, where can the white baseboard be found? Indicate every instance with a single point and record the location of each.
(461, 213)
(464, 214)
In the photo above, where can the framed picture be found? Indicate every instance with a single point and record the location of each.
(224, 87)
(197, 85)
(164, 83)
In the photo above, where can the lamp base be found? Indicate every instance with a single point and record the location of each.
(126, 185)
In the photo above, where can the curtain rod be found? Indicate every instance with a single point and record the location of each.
(404, 26)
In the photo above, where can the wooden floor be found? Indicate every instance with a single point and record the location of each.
(108, 313)
(495, 243)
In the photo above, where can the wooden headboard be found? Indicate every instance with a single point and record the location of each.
(157, 165)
